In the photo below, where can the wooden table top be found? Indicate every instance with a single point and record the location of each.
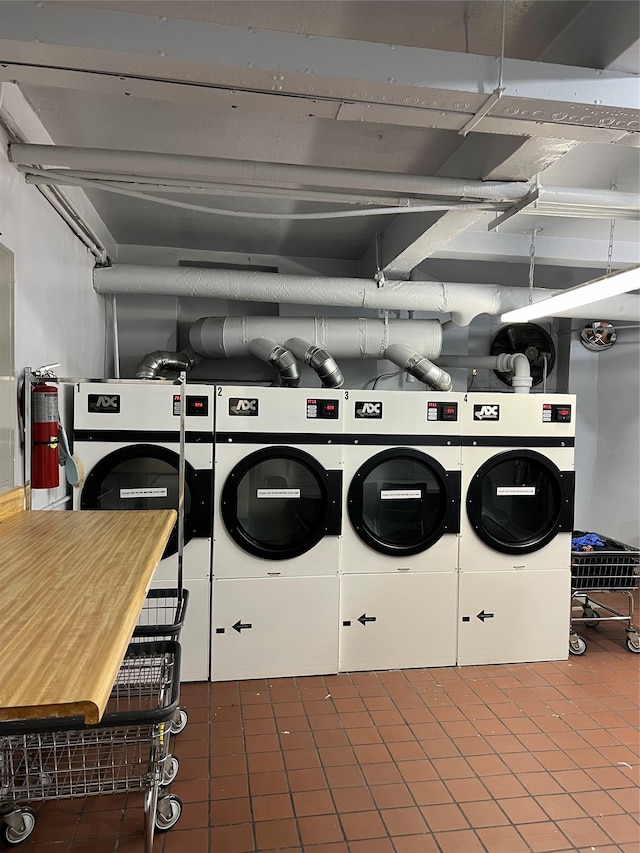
(72, 585)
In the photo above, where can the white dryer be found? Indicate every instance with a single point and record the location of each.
(516, 527)
(127, 438)
(277, 523)
(399, 554)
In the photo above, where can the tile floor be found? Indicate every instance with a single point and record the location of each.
(524, 757)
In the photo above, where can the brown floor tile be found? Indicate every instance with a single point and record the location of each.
(361, 825)
(441, 818)
(505, 786)
(403, 821)
(423, 843)
(484, 813)
(347, 776)
(320, 829)
(371, 845)
(271, 807)
(392, 796)
(268, 783)
(356, 799)
(628, 798)
(585, 831)
(561, 806)
(225, 812)
(540, 783)
(461, 841)
(417, 771)
(623, 829)
(231, 839)
(502, 839)
(544, 837)
(273, 835)
(312, 803)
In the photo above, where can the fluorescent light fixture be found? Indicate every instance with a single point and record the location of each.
(591, 291)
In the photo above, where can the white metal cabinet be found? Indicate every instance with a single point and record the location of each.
(392, 621)
(513, 616)
(274, 627)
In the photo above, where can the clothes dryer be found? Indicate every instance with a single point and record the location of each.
(515, 533)
(127, 438)
(399, 554)
(277, 523)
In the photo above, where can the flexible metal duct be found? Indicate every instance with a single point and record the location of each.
(319, 360)
(279, 357)
(164, 361)
(419, 366)
(462, 301)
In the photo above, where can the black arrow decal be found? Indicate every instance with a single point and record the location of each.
(482, 615)
(364, 619)
(239, 626)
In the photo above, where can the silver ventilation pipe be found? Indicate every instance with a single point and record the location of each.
(516, 362)
(419, 366)
(164, 361)
(279, 357)
(318, 360)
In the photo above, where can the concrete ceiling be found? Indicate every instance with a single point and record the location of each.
(392, 87)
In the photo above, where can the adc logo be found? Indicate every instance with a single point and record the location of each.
(368, 409)
(104, 403)
(486, 413)
(247, 407)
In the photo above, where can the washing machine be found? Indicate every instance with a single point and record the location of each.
(277, 527)
(399, 554)
(516, 527)
(127, 438)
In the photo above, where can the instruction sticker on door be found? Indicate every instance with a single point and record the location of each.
(400, 494)
(506, 491)
(143, 493)
(278, 493)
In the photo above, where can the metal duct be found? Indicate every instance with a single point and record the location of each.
(462, 301)
(419, 366)
(517, 362)
(164, 361)
(279, 357)
(319, 360)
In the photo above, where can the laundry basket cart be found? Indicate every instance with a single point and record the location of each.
(610, 568)
(162, 618)
(55, 759)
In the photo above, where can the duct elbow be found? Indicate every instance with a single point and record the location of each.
(419, 366)
(284, 362)
(318, 360)
(163, 361)
(518, 363)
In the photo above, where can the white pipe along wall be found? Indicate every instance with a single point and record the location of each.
(462, 301)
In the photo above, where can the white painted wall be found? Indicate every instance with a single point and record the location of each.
(58, 315)
(608, 437)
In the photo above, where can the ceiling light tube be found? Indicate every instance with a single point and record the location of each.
(583, 294)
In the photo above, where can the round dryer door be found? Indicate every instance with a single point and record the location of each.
(518, 501)
(143, 477)
(401, 502)
(278, 503)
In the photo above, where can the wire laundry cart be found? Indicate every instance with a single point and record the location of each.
(128, 750)
(611, 568)
(162, 618)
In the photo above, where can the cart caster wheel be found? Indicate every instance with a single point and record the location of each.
(171, 767)
(179, 721)
(173, 807)
(577, 646)
(593, 617)
(10, 835)
(633, 644)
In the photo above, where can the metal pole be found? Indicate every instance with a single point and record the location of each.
(181, 481)
(27, 436)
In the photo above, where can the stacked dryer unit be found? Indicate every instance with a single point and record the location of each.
(399, 556)
(277, 521)
(127, 438)
(516, 527)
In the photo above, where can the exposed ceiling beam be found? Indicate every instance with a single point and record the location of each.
(362, 74)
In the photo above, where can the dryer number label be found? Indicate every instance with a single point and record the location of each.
(486, 412)
(505, 491)
(143, 493)
(243, 406)
(278, 493)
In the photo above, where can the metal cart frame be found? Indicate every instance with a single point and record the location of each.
(604, 571)
(128, 750)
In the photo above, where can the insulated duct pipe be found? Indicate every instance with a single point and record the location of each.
(318, 360)
(279, 357)
(419, 366)
(164, 361)
(462, 301)
(516, 362)
(230, 337)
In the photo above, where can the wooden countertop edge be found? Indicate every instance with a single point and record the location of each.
(89, 710)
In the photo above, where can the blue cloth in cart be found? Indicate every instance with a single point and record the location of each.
(588, 539)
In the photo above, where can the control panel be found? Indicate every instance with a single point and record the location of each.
(322, 409)
(197, 405)
(556, 413)
(441, 411)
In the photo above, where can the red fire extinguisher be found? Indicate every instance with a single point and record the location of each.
(45, 471)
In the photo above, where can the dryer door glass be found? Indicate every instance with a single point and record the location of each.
(275, 503)
(399, 502)
(516, 501)
(141, 477)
